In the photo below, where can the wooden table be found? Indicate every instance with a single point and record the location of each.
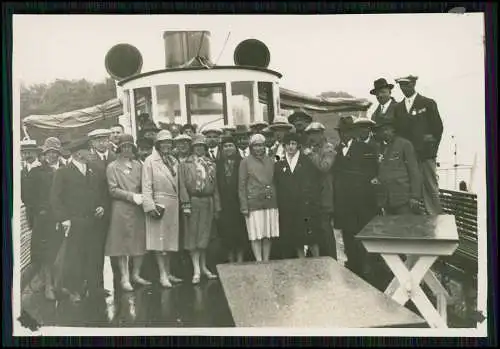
(423, 239)
(308, 293)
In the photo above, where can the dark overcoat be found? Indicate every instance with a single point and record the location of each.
(45, 238)
(231, 223)
(299, 202)
(75, 197)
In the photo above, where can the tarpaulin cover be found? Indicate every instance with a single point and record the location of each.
(77, 118)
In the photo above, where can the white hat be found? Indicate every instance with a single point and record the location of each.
(211, 129)
(182, 137)
(408, 78)
(315, 126)
(280, 122)
(100, 132)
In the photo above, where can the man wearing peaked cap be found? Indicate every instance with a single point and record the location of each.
(29, 161)
(149, 130)
(417, 119)
(227, 130)
(45, 239)
(212, 138)
(79, 204)
(99, 141)
(322, 155)
(363, 129)
(382, 90)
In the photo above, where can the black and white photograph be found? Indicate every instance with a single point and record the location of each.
(249, 175)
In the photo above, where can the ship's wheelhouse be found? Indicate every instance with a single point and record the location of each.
(216, 96)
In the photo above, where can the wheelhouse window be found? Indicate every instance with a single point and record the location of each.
(143, 107)
(266, 103)
(169, 110)
(206, 105)
(126, 121)
(243, 110)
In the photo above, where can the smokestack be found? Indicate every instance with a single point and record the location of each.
(182, 47)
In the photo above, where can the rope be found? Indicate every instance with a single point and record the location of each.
(223, 47)
(201, 43)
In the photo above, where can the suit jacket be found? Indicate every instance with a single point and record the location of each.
(101, 165)
(399, 174)
(422, 119)
(353, 195)
(389, 114)
(75, 196)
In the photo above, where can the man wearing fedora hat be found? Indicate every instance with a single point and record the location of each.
(382, 91)
(78, 202)
(45, 237)
(258, 126)
(417, 119)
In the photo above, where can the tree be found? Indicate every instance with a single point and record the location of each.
(62, 96)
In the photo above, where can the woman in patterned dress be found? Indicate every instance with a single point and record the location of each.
(161, 193)
(127, 231)
(258, 200)
(198, 180)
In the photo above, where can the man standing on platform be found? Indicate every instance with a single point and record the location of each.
(100, 158)
(387, 104)
(322, 155)
(417, 119)
(78, 199)
(242, 137)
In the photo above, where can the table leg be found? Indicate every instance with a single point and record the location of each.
(439, 291)
(409, 288)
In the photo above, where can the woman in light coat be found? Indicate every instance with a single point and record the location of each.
(161, 193)
(127, 231)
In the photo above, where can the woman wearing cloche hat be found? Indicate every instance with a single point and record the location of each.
(127, 231)
(45, 238)
(161, 191)
(201, 205)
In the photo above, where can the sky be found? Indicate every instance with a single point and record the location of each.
(314, 53)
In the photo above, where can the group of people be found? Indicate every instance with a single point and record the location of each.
(272, 189)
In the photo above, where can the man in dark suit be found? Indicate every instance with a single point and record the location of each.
(387, 104)
(78, 204)
(29, 156)
(116, 131)
(417, 119)
(354, 195)
(101, 156)
(212, 137)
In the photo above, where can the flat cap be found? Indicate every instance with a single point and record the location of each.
(163, 135)
(100, 132)
(258, 125)
(199, 140)
(280, 123)
(211, 130)
(315, 126)
(409, 78)
(299, 114)
(29, 144)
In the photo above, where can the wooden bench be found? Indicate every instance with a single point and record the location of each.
(463, 264)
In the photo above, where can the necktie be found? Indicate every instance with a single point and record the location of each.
(212, 155)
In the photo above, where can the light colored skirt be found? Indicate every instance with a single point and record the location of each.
(263, 224)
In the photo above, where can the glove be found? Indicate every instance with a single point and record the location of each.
(137, 199)
(66, 227)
